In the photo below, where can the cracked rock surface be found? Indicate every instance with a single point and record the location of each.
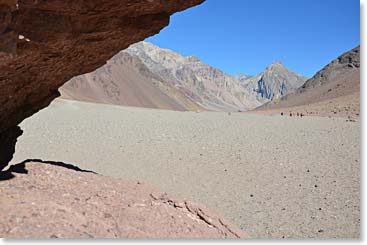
(57, 200)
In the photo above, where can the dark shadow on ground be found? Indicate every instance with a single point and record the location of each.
(21, 168)
(8, 139)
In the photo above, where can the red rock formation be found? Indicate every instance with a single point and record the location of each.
(51, 200)
(45, 43)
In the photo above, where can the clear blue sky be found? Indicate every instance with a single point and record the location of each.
(245, 36)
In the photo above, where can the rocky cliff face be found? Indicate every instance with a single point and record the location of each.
(46, 43)
(274, 82)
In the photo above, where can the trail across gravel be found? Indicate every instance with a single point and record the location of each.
(273, 176)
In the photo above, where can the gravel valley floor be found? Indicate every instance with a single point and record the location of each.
(273, 176)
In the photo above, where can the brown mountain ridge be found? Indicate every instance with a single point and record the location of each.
(333, 91)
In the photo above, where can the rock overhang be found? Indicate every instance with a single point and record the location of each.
(43, 44)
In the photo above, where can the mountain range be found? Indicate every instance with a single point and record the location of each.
(145, 75)
(334, 90)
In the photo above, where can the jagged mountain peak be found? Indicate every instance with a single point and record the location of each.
(159, 58)
(275, 81)
(277, 66)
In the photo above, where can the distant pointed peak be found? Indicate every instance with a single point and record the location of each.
(276, 64)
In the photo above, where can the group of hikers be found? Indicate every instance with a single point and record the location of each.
(293, 114)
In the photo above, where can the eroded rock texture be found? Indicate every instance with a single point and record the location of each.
(58, 200)
(44, 43)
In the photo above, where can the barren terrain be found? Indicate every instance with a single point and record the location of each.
(273, 176)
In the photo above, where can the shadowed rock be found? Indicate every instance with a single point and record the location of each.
(8, 140)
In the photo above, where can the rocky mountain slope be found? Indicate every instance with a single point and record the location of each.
(125, 80)
(189, 83)
(274, 82)
(334, 90)
(57, 200)
(207, 86)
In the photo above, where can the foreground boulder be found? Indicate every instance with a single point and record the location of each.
(57, 200)
(43, 44)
